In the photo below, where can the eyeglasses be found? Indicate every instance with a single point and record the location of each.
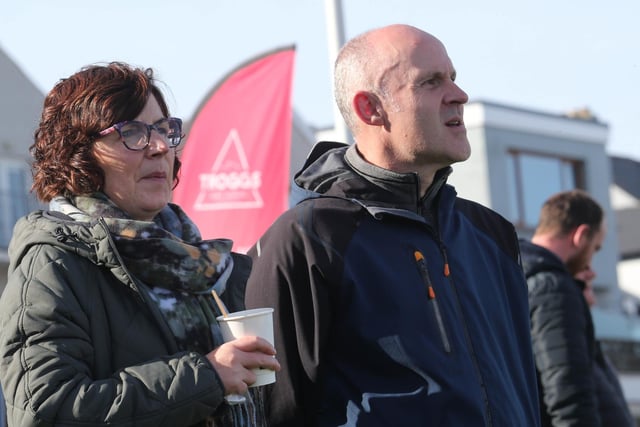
(136, 135)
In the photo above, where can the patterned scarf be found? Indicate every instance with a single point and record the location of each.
(168, 255)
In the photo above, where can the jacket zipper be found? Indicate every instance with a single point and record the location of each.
(447, 274)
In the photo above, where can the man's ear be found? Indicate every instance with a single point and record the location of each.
(368, 108)
(581, 235)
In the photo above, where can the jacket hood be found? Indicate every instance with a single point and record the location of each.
(535, 259)
(89, 240)
(335, 169)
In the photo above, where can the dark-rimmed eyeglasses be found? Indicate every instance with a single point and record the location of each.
(136, 135)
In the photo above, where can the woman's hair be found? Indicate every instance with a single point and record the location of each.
(75, 110)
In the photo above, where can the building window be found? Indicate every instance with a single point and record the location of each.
(15, 200)
(533, 177)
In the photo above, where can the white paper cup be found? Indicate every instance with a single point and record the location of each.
(258, 322)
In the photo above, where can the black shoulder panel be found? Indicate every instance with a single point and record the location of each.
(493, 224)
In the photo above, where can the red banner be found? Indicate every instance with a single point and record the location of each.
(234, 180)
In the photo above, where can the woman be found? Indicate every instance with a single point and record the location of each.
(107, 316)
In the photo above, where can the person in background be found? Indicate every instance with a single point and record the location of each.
(397, 303)
(108, 317)
(612, 404)
(570, 230)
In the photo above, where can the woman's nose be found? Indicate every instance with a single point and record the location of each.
(157, 142)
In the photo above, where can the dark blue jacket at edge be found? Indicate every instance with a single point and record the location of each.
(359, 339)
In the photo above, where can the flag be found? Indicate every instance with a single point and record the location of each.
(234, 179)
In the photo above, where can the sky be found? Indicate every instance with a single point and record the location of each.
(549, 56)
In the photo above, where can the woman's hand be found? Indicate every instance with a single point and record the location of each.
(234, 360)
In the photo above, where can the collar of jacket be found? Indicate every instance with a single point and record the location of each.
(536, 259)
(337, 170)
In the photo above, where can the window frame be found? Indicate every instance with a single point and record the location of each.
(517, 184)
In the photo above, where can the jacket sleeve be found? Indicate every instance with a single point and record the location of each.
(563, 351)
(289, 274)
(48, 359)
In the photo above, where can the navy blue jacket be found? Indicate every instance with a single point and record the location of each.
(368, 332)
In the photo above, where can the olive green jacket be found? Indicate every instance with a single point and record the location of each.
(80, 342)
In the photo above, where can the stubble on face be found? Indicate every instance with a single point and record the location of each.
(584, 256)
(578, 261)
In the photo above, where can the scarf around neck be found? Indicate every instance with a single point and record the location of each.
(169, 256)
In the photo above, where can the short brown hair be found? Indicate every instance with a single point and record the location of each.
(75, 110)
(565, 211)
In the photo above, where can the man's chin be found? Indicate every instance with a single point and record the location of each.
(575, 266)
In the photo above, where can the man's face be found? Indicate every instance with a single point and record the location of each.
(424, 105)
(581, 259)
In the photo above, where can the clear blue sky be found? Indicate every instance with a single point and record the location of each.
(548, 55)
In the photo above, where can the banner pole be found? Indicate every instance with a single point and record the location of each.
(335, 40)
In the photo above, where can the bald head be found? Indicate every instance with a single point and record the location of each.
(395, 87)
(366, 62)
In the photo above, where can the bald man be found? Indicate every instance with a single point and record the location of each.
(396, 302)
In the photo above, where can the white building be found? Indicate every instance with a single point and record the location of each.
(20, 107)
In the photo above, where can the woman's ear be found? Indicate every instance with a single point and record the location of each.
(368, 108)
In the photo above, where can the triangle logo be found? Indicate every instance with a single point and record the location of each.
(230, 184)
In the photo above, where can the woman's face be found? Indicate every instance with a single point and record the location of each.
(138, 182)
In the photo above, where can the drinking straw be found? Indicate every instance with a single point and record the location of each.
(221, 306)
